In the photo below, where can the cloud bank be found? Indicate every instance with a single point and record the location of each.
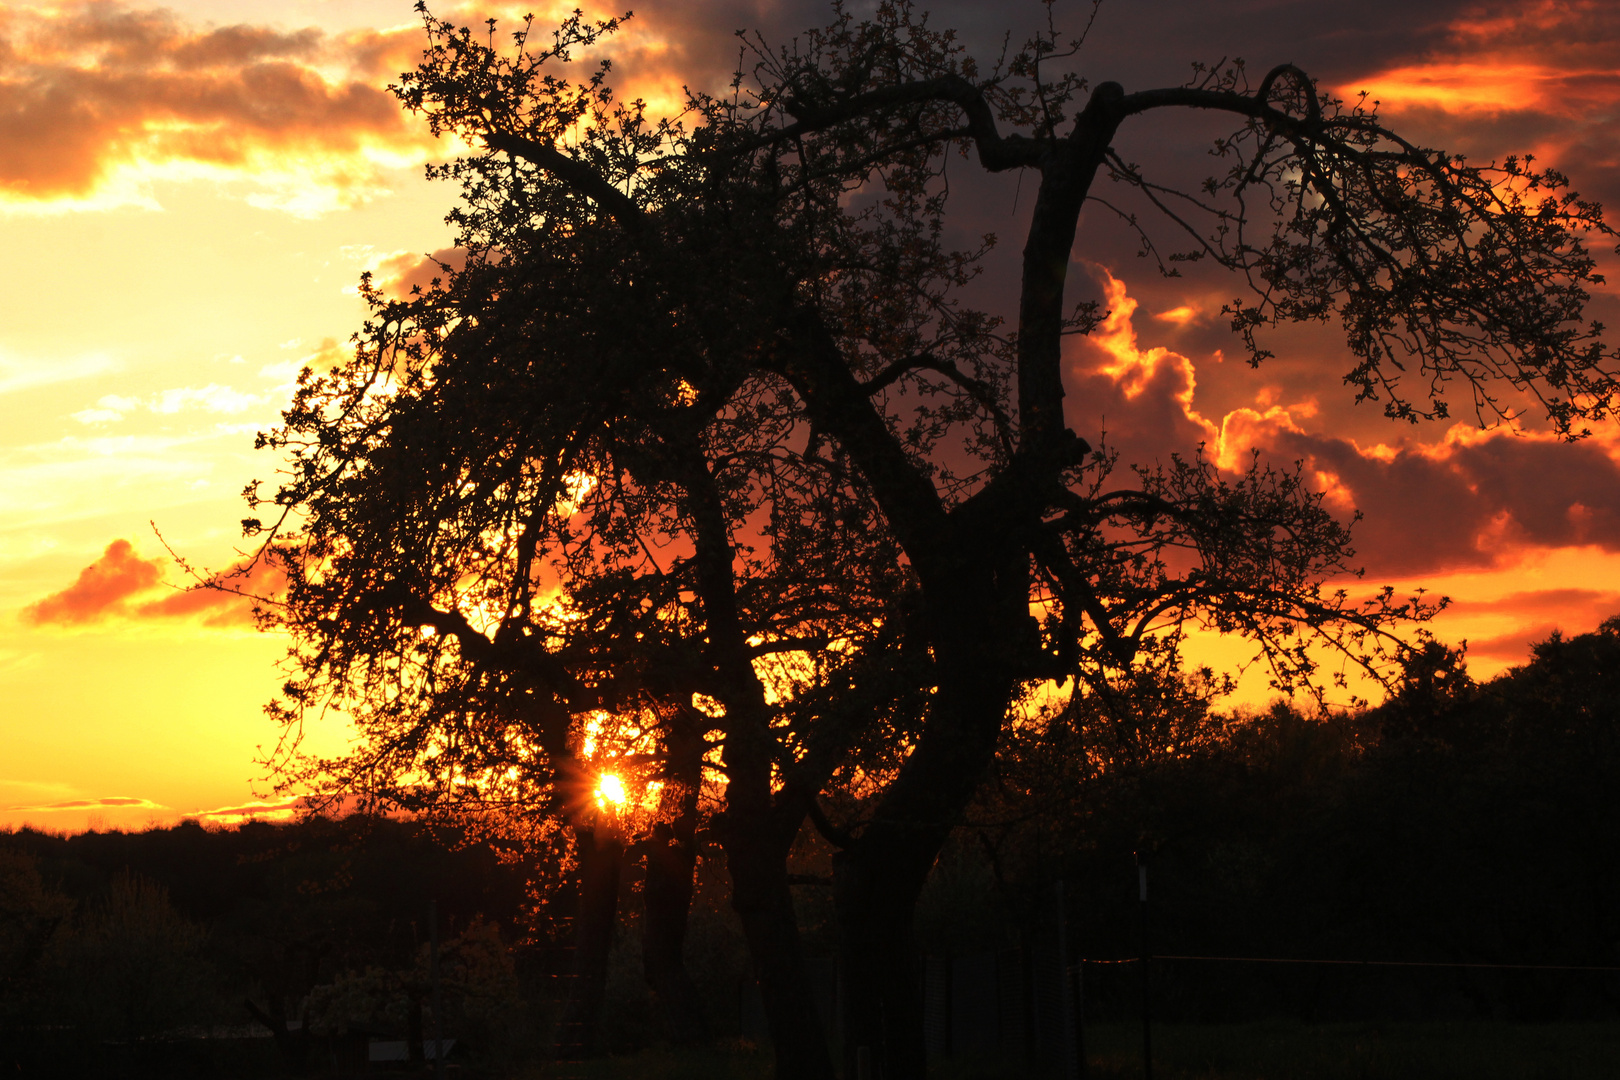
(97, 99)
(1437, 503)
(1469, 499)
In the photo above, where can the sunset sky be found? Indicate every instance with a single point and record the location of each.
(189, 193)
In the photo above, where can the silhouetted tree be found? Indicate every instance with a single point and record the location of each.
(129, 966)
(1432, 686)
(706, 420)
(31, 914)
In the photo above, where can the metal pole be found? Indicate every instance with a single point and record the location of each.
(1068, 1028)
(1080, 1018)
(438, 997)
(1075, 985)
(1147, 972)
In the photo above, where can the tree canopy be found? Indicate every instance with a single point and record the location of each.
(704, 467)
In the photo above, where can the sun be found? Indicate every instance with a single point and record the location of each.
(610, 791)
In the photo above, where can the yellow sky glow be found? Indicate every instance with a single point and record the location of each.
(187, 243)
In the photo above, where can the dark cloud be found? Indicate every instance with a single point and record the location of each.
(1478, 502)
(1142, 43)
(1513, 647)
(1486, 79)
(1538, 614)
(1468, 499)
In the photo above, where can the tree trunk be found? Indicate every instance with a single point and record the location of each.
(757, 829)
(601, 855)
(975, 583)
(414, 1052)
(294, 1048)
(881, 1007)
(760, 894)
(879, 876)
(667, 894)
(667, 891)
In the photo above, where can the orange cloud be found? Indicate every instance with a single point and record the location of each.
(285, 808)
(1512, 647)
(102, 586)
(1554, 57)
(1142, 401)
(1180, 316)
(122, 584)
(1537, 78)
(1590, 605)
(97, 98)
(1474, 498)
(94, 92)
(1479, 501)
(400, 274)
(1493, 85)
(119, 802)
(225, 601)
(1141, 398)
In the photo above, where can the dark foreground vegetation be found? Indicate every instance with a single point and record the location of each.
(1458, 824)
(1271, 1050)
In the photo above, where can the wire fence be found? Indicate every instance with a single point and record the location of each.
(1356, 963)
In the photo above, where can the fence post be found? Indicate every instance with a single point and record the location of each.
(438, 996)
(1080, 1017)
(1147, 971)
(1072, 1058)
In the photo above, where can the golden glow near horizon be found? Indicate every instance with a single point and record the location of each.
(189, 195)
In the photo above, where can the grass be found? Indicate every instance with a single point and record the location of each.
(1286, 1050)
(1278, 1050)
(733, 1059)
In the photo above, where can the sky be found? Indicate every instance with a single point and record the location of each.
(190, 193)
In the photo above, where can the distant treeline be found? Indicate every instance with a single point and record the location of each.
(314, 929)
(1459, 823)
